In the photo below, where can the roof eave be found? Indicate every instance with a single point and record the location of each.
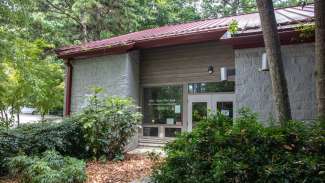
(287, 36)
(168, 40)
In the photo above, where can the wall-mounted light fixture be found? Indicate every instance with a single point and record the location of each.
(264, 63)
(225, 72)
(210, 69)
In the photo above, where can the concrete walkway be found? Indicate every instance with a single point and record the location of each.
(143, 150)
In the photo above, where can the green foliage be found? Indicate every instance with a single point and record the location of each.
(217, 151)
(34, 139)
(220, 8)
(51, 167)
(29, 78)
(306, 31)
(217, 8)
(107, 125)
(233, 27)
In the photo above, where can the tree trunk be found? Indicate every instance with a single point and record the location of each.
(18, 119)
(42, 116)
(84, 33)
(2, 115)
(320, 56)
(273, 51)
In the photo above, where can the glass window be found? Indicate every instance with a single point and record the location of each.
(226, 108)
(225, 86)
(199, 112)
(163, 105)
(171, 132)
(150, 131)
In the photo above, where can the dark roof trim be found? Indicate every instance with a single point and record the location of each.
(287, 36)
(195, 37)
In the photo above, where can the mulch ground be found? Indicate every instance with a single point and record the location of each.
(132, 168)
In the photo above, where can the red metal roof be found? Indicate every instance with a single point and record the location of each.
(246, 23)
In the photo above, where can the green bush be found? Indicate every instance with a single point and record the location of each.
(51, 167)
(107, 125)
(219, 151)
(34, 139)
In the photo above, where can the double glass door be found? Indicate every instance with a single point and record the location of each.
(201, 104)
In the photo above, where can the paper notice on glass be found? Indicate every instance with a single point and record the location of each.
(225, 112)
(170, 121)
(177, 109)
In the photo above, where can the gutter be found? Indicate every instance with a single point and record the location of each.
(67, 110)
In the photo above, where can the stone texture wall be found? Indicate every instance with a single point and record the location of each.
(116, 74)
(253, 87)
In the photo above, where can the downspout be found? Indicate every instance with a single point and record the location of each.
(68, 89)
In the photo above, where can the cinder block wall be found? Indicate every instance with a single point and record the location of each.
(253, 87)
(118, 75)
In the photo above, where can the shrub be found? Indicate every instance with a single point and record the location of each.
(107, 125)
(51, 167)
(217, 151)
(34, 139)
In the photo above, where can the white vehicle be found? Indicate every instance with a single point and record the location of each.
(28, 110)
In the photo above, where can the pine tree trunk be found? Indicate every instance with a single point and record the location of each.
(320, 56)
(273, 51)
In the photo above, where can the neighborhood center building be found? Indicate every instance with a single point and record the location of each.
(177, 73)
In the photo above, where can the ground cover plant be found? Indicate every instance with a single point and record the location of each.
(245, 151)
(34, 139)
(51, 167)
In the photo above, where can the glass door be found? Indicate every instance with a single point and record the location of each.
(224, 104)
(200, 105)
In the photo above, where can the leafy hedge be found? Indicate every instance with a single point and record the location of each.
(217, 151)
(34, 139)
(107, 125)
(100, 130)
(51, 167)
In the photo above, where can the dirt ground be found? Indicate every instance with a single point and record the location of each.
(132, 168)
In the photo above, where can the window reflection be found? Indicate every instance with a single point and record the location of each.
(163, 105)
(199, 112)
(226, 108)
(225, 86)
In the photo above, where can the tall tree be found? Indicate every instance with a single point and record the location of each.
(273, 51)
(320, 56)
(220, 8)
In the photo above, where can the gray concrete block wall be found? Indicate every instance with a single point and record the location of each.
(116, 74)
(133, 70)
(253, 87)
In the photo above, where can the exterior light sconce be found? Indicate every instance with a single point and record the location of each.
(210, 69)
(264, 63)
(225, 72)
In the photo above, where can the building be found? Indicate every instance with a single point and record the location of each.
(176, 73)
